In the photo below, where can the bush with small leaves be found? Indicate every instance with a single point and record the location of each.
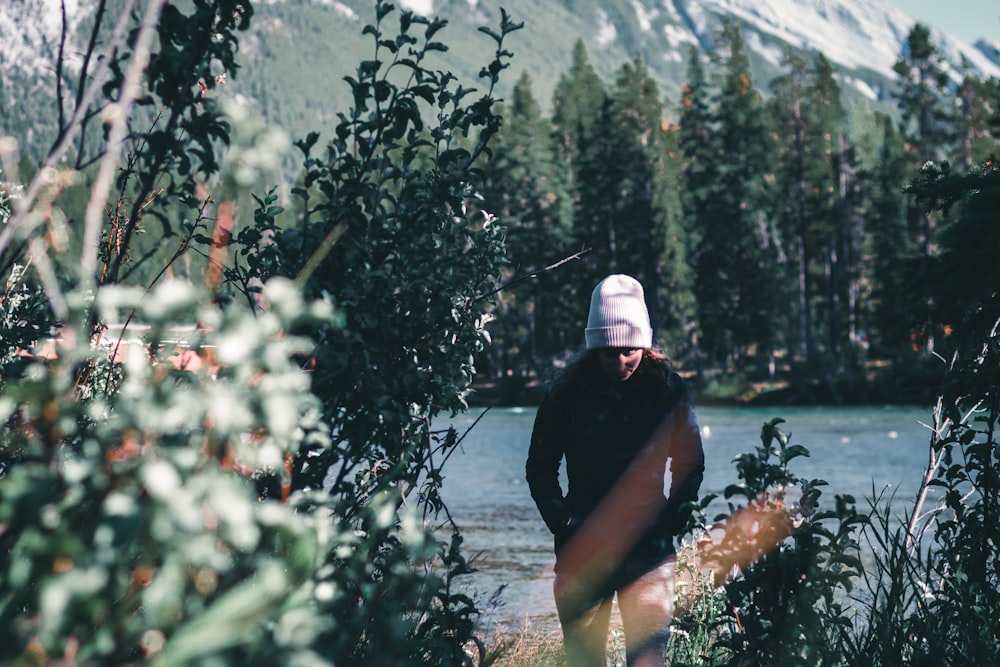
(787, 564)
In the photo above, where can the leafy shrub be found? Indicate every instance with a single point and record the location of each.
(141, 513)
(934, 595)
(125, 534)
(786, 563)
(384, 229)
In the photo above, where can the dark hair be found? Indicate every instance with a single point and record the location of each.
(583, 371)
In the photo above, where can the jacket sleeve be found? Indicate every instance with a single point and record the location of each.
(687, 462)
(545, 453)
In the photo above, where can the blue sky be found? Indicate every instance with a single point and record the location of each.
(966, 19)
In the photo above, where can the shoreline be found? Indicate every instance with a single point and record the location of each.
(870, 391)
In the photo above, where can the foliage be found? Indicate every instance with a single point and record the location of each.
(702, 616)
(385, 229)
(24, 316)
(141, 484)
(795, 562)
(125, 535)
(937, 587)
(263, 491)
(732, 253)
(524, 186)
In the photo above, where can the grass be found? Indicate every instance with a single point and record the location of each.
(519, 647)
(699, 622)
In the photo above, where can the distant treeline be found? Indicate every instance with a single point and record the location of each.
(774, 231)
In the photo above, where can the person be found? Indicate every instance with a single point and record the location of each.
(616, 414)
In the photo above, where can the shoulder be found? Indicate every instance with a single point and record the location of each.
(576, 379)
(665, 386)
(677, 382)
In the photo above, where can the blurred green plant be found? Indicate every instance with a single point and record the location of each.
(126, 534)
(934, 595)
(384, 227)
(785, 563)
(255, 480)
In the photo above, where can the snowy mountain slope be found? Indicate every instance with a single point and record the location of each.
(990, 49)
(297, 52)
(864, 38)
(852, 33)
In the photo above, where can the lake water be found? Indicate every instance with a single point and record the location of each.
(854, 449)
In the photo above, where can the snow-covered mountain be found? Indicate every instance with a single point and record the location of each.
(298, 51)
(864, 38)
(854, 34)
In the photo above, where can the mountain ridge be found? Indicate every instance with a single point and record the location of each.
(297, 52)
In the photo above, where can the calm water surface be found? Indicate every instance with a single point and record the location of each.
(856, 450)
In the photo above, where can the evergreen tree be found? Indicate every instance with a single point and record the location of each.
(577, 102)
(595, 181)
(845, 243)
(697, 154)
(890, 244)
(927, 107)
(978, 118)
(924, 98)
(736, 246)
(792, 199)
(649, 243)
(580, 108)
(522, 189)
(678, 314)
(927, 117)
(636, 224)
(816, 221)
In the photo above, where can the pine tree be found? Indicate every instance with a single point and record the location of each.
(890, 243)
(847, 260)
(678, 313)
(577, 102)
(924, 98)
(522, 189)
(649, 242)
(580, 108)
(736, 247)
(791, 198)
(927, 117)
(636, 223)
(698, 164)
(821, 229)
(979, 118)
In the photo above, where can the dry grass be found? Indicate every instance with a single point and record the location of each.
(698, 602)
(520, 647)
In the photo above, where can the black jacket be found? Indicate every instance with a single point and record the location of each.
(600, 428)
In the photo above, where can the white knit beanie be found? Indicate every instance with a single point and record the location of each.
(618, 315)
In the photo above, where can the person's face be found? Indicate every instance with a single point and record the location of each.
(619, 362)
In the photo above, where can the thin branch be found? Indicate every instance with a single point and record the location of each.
(131, 88)
(934, 459)
(81, 86)
(24, 204)
(60, 59)
(532, 274)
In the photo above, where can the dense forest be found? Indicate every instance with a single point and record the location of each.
(772, 227)
(225, 424)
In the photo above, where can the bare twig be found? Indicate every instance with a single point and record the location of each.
(81, 86)
(934, 458)
(59, 64)
(131, 87)
(24, 204)
(532, 274)
(935, 455)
